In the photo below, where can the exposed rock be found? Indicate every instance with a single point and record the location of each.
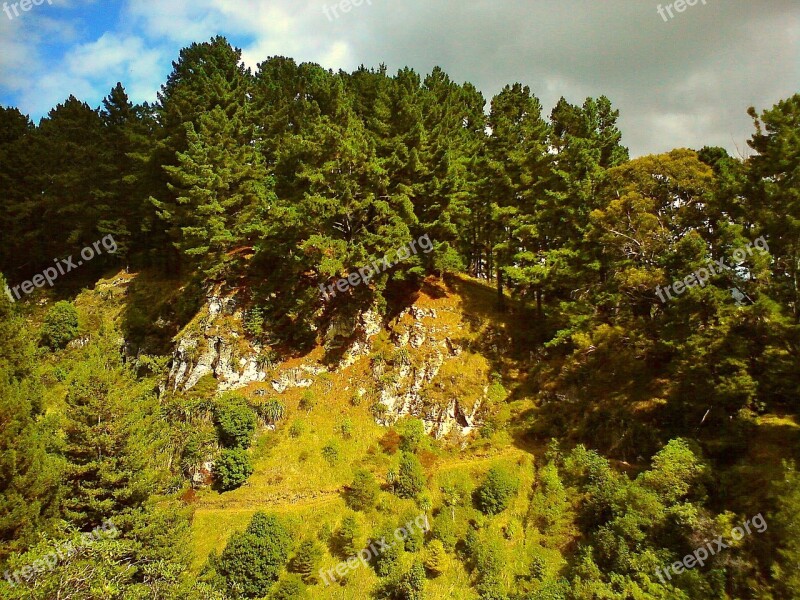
(452, 347)
(216, 344)
(210, 349)
(292, 378)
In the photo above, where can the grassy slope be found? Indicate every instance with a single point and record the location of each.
(292, 479)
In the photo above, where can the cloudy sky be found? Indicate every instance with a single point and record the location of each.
(684, 82)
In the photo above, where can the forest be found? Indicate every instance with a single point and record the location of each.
(585, 385)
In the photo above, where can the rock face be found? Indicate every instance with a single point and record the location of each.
(211, 347)
(215, 344)
(403, 395)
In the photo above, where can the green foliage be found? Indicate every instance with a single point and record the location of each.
(109, 429)
(289, 588)
(363, 491)
(330, 452)
(345, 540)
(60, 325)
(410, 479)
(308, 401)
(444, 530)
(252, 560)
(346, 428)
(306, 559)
(786, 529)
(297, 428)
(236, 422)
(232, 468)
(272, 411)
(387, 559)
(675, 472)
(275, 182)
(435, 558)
(32, 472)
(412, 584)
(497, 490)
(412, 432)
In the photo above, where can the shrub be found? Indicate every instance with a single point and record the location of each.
(496, 491)
(415, 535)
(412, 433)
(387, 559)
(390, 442)
(308, 401)
(444, 530)
(330, 452)
(410, 479)
(363, 491)
(297, 429)
(236, 423)
(435, 558)
(346, 429)
(412, 584)
(60, 325)
(253, 560)
(289, 588)
(344, 541)
(379, 410)
(306, 560)
(272, 411)
(232, 469)
(456, 490)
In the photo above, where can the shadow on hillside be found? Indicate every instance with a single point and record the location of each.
(156, 309)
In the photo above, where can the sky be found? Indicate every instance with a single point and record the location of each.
(680, 81)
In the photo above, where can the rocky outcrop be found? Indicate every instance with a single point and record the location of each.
(215, 344)
(403, 394)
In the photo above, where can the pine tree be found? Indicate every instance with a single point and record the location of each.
(31, 473)
(108, 442)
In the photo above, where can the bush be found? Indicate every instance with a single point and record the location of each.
(390, 442)
(297, 429)
(444, 530)
(435, 558)
(289, 588)
(412, 584)
(232, 469)
(236, 423)
(346, 429)
(330, 452)
(60, 325)
(344, 542)
(308, 401)
(363, 491)
(272, 411)
(253, 560)
(306, 560)
(496, 491)
(412, 433)
(410, 480)
(386, 561)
